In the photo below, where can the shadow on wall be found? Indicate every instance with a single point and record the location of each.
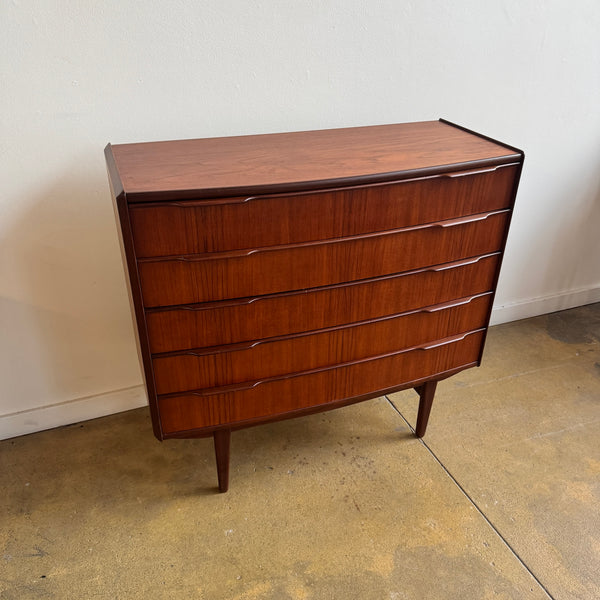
(67, 330)
(563, 249)
(576, 240)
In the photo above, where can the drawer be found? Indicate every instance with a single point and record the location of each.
(260, 359)
(196, 227)
(218, 323)
(208, 277)
(279, 396)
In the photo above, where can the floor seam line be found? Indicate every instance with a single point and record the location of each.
(473, 503)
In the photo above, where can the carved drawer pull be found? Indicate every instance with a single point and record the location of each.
(469, 219)
(448, 305)
(446, 342)
(456, 265)
(468, 173)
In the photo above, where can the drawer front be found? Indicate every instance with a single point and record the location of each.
(276, 397)
(270, 358)
(268, 316)
(212, 277)
(196, 227)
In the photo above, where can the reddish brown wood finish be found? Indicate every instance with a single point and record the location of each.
(310, 410)
(133, 289)
(222, 441)
(426, 393)
(174, 228)
(302, 352)
(255, 164)
(281, 395)
(278, 275)
(209, 277)
(262, 317)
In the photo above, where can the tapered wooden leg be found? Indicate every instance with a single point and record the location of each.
(426, 393)
(222, 439)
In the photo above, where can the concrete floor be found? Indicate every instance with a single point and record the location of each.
(500, 500)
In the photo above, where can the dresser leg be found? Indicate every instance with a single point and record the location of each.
(426, 393)
(222, 439)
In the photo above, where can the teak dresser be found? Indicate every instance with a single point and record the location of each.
(273, 276)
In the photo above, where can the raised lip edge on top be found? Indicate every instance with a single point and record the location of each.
(304, 185)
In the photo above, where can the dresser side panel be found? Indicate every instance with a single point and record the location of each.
(134, 293)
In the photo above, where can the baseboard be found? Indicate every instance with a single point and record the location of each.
(73, 411)
(534, 307)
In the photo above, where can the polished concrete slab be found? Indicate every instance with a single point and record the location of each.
(500, 499)
(522, 436)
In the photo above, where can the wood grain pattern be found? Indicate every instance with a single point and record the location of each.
(189, 411)
(257, 360)
(310, 410)
(209, 277)
(193, 227)
(230, 166)
(277, 275)
(267, 316)
(135, 298)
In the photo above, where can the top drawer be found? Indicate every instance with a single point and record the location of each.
(196, 227)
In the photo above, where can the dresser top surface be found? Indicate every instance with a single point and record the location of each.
(270, 163)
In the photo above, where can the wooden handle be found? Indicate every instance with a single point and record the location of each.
(446, 342)
(456, 265)
(468, 173)
(469, 219)
(453, 304)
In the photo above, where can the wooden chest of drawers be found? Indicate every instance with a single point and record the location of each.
(277, 275)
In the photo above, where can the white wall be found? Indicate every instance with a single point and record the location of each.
(76, 75)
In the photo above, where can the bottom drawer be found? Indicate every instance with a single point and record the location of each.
(261, 359)
(279, 396)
